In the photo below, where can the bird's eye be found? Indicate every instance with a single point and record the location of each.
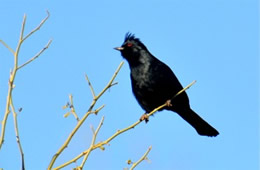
(129, 44)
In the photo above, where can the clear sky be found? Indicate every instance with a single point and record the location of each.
(214, 42)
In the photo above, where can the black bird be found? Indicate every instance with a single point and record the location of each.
(154, 83)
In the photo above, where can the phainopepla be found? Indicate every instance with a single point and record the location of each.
(154, 83)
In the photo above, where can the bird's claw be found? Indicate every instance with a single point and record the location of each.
(168, 103)
(144, 117)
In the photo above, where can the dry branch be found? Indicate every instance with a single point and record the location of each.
(9, 100)
(81, 121)
(144, 157)
(101, 144)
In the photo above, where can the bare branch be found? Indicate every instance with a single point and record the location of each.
(17, 133)
(98, 109)
(92, 143)
(7, 46)
(12, 78)
(144, 157)
(84, 117)
(72, 108)
(9, 102)
(110, 83)
(187, 87)
(38, 27)
(22, 29)
(86, 153)
(90, 86)
(37, 55)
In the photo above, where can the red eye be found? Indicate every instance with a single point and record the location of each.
(129, 44)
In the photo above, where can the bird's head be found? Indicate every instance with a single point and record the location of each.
(132, 48)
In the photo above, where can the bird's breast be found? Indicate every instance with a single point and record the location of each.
(141, 77)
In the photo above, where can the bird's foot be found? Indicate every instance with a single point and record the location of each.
(168, 103)
(144, 117)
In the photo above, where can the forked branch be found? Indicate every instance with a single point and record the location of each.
(9, 100)
(102, 144)
(90, 111)
(144, 157)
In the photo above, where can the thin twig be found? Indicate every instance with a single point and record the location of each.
(95, 132)
(72, 108)
(17, 133)
(90, 86)
(84, 117)
(37, 55)
(7, 46)
(144, 157)
(98, 109)
(22, 29)
(193, 82)
(6, 114)
(38, 27)
(92, 142)
(110, 83)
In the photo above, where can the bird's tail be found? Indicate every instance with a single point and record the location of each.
(201, 126)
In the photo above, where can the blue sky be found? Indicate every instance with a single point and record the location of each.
(214, 42)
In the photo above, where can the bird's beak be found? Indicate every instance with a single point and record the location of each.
(119, 48)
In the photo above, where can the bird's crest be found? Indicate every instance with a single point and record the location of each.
(131, 37)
